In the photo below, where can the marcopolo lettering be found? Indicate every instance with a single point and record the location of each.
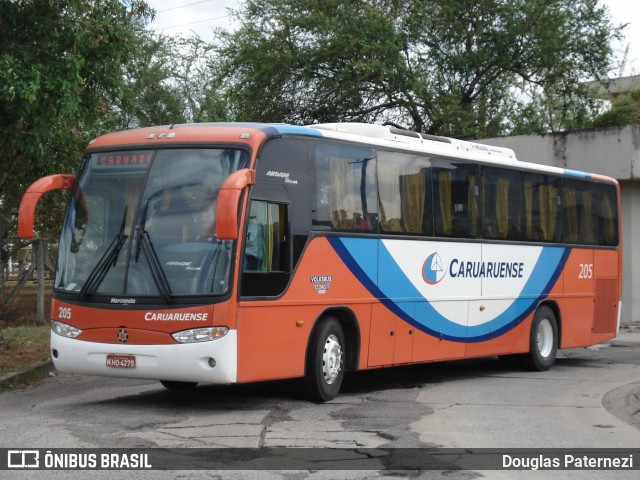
(123, 301)
(470, 269)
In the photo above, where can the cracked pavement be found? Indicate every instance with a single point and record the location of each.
(589, 399)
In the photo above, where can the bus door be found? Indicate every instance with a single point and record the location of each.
(510, 213)
(267, 337)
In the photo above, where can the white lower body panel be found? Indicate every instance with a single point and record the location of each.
(186, 362)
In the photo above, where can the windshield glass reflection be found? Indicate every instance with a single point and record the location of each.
(161, 207)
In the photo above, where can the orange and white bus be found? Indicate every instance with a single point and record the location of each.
(224, 253)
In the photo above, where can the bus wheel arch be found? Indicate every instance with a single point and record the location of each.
(555, 308)
(349, 324)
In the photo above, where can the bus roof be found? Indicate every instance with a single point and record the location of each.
(396, 135)
(376, 135)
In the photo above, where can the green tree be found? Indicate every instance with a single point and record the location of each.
(61, 66)
(167, 81)
(196, 83)
(452, 67)
(147, 95)
(625, 110)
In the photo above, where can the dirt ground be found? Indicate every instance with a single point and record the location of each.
(18, 354)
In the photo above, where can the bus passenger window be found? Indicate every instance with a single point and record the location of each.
(345, 193)
(404, 187)
(541, 202)
(456, 189)
(579, 212)
(502, 204)
(607, 212)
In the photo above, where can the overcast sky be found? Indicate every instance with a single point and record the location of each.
(188, 17)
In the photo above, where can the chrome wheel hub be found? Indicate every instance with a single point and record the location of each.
(544, 338)
(331, 359)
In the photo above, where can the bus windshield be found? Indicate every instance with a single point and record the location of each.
(142, 223)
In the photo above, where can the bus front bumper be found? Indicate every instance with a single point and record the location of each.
(207, 362)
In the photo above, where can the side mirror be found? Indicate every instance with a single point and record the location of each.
(30, 199)
(229, 201)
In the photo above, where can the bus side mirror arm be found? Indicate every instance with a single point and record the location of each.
(229, 201)
(30, 199)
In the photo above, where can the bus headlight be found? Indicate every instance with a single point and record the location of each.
(200, 334)
(65, 330)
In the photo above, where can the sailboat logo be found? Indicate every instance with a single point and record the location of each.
(432, 271)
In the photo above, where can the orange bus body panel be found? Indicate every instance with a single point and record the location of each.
(271, 344)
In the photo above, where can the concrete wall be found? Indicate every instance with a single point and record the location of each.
(630, 192)
(614, 152)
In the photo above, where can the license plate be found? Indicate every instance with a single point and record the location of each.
(121, 361)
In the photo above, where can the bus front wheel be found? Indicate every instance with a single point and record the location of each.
(326, 361)
(543, 340)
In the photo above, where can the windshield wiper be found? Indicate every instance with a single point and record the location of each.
(109, 259)
(157, 273)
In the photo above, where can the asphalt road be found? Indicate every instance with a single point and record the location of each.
(588, 400)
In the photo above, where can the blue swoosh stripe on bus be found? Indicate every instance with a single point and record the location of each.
(576, 173)
(272, 128)
(295, 130)
(360, 257)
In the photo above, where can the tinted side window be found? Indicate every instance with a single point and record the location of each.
(541, 208)
(579, 212)
(404, 183)
(502, 204)
(607, 212)
(344, 192)
(456, 193)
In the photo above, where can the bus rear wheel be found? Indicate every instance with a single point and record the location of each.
(326, 361)
(543, 340)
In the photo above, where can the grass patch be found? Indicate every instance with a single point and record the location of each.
(24, 343)
(23, 309)
(24, 346)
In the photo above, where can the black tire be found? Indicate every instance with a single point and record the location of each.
(325, 361)
(543, 341)
(171, 385)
